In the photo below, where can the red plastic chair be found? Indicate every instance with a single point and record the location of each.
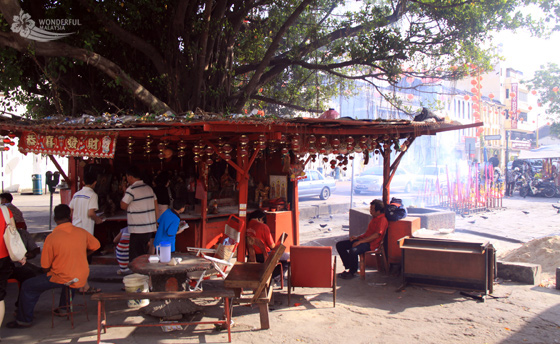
(313, 267)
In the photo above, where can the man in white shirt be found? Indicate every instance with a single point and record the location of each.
(141, 207)
(84, 204)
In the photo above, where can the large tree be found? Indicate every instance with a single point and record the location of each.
(546, 82)
(232, 55)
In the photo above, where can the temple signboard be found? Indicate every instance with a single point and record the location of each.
(70, 143)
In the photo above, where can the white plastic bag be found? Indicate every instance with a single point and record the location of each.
(13, 241)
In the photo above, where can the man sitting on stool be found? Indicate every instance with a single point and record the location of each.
(64, 259)
(349, 250)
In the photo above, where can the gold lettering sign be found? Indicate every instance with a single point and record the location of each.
(31, 140)
(49, 141)
(92, 144)
(72, 143)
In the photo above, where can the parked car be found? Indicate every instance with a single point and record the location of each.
(429, 176)
(371, 180)
(315, 184)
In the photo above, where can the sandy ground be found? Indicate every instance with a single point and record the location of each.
(370, 311)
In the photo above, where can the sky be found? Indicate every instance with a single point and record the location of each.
(525, 53)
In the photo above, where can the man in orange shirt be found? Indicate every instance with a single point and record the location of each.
(64, 259)
(349, 250)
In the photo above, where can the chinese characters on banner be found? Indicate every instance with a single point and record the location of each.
(94, 145)
(514, 116)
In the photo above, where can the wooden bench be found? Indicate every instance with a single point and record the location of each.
(256, 277)
(212, 289)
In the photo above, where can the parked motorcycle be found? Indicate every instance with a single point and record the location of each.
(537, 187)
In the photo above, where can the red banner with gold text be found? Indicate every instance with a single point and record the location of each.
(69, 143)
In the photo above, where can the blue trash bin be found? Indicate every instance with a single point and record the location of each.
(37, 184)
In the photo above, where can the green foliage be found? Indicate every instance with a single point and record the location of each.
(544, 82)
(283, 56)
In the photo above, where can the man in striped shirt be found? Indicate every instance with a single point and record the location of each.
(140, 204)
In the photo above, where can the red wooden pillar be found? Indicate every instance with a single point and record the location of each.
(243, 187)
(295, 214)
(386, 172)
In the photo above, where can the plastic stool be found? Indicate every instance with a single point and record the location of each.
(13, 280)
(70, 309)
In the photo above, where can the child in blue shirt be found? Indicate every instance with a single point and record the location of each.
(169, 224)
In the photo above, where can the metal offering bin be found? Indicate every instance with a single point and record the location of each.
(447, 263)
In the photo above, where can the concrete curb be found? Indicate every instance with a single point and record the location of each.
(323, 209)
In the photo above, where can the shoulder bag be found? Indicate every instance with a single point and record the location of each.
(13, 241)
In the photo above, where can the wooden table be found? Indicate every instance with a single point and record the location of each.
(169, 277)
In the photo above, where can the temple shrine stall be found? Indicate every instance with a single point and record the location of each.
(222, 166)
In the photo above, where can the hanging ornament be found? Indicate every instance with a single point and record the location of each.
(466, 97)
(243, 152)
(474, 90)
(512, 94)
(322, 150)
(285, 151)
(311, 139)
(227, 157)
(323, 140)
(243, 140)
(335, 143)
(534, 92)
(148, 146)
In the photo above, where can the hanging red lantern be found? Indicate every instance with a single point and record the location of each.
(12, 135)
(335, 142)
(473, 82)
(410, 80)
(512, 94)
(555, 89)
(474, 90)
(7, 140)
(534, 92)
(466, 97)
(539, 104)
(491, 96)
(530, 108)
(410, 96)
(474, 98)
(475, 106)
(285, 151)
(518, 111)
(6, 148)
(322, 150)
(227, 148)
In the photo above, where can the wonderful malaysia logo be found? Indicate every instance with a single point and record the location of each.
(27, 28)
